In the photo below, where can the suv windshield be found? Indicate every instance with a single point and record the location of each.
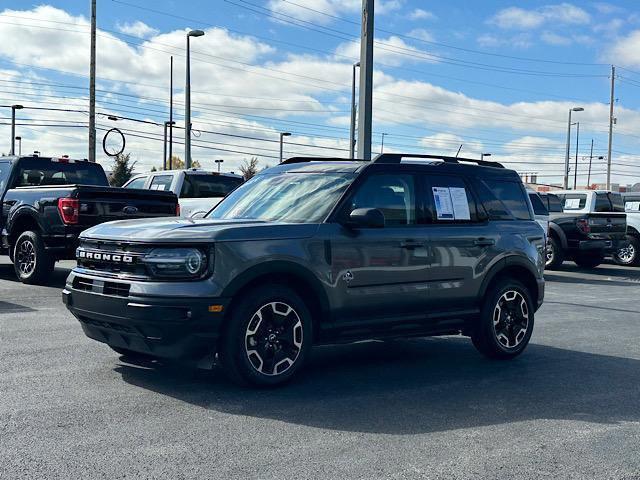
(288, 197)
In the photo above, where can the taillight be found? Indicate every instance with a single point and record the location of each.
(583, 225)
(177, 209)
(69, 209)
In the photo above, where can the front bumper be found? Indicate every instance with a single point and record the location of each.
(163, 326)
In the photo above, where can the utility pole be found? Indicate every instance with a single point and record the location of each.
(92, 86)
(575, 170)
(565, 183)
(352, 135)
(13, 127)
(611, 120)
(590, 160)
(171, 122)
(187, 103)
(366, 81)
(382, 143)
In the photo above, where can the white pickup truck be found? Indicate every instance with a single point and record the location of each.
(198, 191)
(630, 254)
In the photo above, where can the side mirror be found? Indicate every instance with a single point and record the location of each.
(366, 218)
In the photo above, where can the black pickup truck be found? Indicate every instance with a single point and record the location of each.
(591, 225)
(47, 202)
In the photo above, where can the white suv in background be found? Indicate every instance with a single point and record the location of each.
(198, 191)
(630, 254)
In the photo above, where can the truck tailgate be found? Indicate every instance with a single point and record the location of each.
(607, 225)
(104, 204)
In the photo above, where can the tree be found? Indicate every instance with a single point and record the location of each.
(249, 167)
(154, 169)
(178, 164)
(122, 170)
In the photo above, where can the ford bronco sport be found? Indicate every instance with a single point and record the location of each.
(317, 251)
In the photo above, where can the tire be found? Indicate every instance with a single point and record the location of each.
(32, 263)
(628, 256)
(506, 321)
(268, 337)
(125, 352)
(588, 260)
(554, 254)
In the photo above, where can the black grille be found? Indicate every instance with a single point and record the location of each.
(114, 268)
(117, 289)
(85, 284)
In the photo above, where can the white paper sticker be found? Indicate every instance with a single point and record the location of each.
(632, 206)
(460, 203)
(444, 205)
(572, 203)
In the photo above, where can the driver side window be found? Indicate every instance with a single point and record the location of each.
(393, 195)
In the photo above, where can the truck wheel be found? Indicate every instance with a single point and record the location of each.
(506, 321)
(590, 260)
(268, 337)
(554, 254)
(32, 263)
(628, 256)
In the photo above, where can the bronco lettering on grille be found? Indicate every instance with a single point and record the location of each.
(104, 257)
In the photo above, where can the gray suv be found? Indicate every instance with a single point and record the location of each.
(318, 251)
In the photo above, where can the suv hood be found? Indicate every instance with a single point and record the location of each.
(178, 230)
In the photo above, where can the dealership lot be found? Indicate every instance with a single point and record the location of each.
(422, 408)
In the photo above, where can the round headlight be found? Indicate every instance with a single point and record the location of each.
(193, 262)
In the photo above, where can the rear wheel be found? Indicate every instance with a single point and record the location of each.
(629, 255)
(506, 321)
(268, 337)
(554, 254)
(31, 262)
(590, 260)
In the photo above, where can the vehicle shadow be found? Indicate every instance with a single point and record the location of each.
(628, 282)
(56, 280)
(420, 385)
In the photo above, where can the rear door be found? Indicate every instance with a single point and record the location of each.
(462, 244)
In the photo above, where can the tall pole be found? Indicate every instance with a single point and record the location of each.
(164, 155)
(170, 116)
(282, 135)
(590, 160)
(575, 170)
(611, 120)
(352, 133)
(366, 81)
(566, 158)
(382, 143)
(92, 86)
(13, 131)
(187, 110)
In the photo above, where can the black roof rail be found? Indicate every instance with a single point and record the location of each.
(397, 158)
(316, 159)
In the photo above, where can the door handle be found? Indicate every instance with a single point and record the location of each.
(411, 244)
(484, 242)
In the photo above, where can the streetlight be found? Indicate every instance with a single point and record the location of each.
(575, 170)
(219, 162)
(482, 155)
(164, 157)
(19, 139)
(352, 136)
(187, 108)
(282, 135)
(566, 158)
(13, 127)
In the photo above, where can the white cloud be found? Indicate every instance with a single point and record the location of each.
(625, 51)
(137, 29)
(325, 11)
(421, 14)
(521, 41)
(392, 51)
(516, 18)
(552, 38)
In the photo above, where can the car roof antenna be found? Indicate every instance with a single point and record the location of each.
(459, 148)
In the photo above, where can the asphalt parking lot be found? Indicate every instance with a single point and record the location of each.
(425, 408)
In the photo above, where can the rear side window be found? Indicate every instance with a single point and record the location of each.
(33, 172)
(136, 183)
(161, 182)
(208, 186)
(617, 202)
(449, 200)
(5, 171)
(554, 204)
(504, 199)
(393, 195)
(573, 201)
(538, 205)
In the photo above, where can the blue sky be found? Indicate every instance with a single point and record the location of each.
(494, 76)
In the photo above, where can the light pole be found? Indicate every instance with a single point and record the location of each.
(19, 139)
(566, 158)
(575, 170)
(352, 135)
(382, 142)
(219, 162)
(282, 135)
(187, 108)
(13, 127)
(483, 155)
(164, 157)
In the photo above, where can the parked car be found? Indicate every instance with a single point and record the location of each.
(593, 224)
(553, 205)
(629, 254)
(47, 202)
(540, 209)
(198, 190)
(317, 251)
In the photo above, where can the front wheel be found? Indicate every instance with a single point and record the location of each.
(268, 337)
(506, 321)
(31, 262)
(590, 260)
(629, 255)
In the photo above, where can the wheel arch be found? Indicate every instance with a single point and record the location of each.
(20, 222)
(513, 267)
(633, 232)
(556, 232)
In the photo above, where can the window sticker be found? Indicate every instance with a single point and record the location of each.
(460, 203)
(632, 206)
(572, 203)
(444, 205)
